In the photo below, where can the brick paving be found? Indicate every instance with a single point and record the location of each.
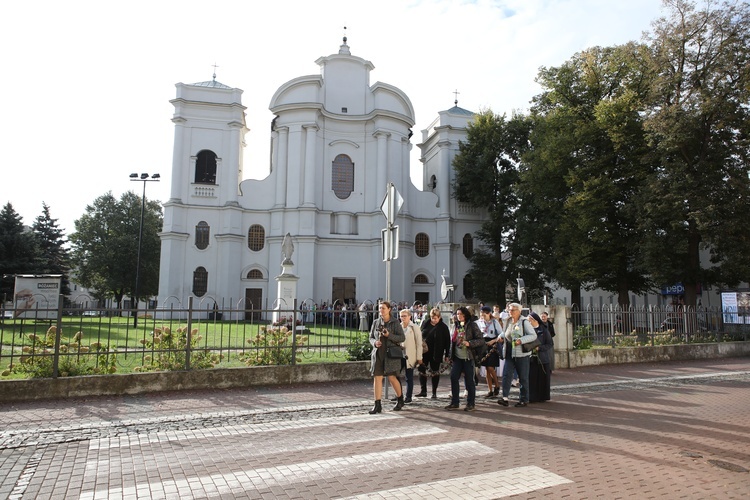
(666, 430)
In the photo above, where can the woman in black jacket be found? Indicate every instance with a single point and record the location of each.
(467, 349)
(540, 371)
(436, 335)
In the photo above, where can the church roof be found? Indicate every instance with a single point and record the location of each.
(212, 84)
(455, 110)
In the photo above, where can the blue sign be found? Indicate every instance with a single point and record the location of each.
(676, 289)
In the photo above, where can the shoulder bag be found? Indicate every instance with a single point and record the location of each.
(530, 346)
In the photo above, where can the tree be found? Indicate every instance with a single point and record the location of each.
(18, 250)
(105, 246)
(588, 139)
(698, 125)
(53, 256)
(486, 174)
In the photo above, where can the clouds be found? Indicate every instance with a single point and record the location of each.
(87, 84)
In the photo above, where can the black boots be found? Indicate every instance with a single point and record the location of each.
(399, 403)
(377, 408)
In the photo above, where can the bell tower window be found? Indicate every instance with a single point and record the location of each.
(205, 167)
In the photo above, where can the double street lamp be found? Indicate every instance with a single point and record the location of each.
(140, 178)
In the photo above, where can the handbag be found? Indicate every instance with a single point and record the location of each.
(394, 352)
(530, 346)
(424, 347)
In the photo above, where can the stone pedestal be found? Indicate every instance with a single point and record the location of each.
(286, 292)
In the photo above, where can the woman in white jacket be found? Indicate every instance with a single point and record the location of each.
(413, 346)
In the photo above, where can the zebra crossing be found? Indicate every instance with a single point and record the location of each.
(341, 456)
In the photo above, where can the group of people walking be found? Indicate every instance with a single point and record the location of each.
(506, 345)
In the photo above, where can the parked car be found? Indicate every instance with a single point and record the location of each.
(92, 313)
(8, 314)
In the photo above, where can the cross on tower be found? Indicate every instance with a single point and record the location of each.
(215, 66)
(455, 96)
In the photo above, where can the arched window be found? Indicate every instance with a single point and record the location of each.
(422, 245)
(255, 274)
(342, 177)
(420, 279)
(468, 287)
(205, 167)
(202, 233)
(433, 183)
(256, 238)
(200, 281)
(468, 246)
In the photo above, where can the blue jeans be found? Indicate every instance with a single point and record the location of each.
(409, 382)
(521, 365)
(465, 366)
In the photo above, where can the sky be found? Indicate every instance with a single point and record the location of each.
(86, 84)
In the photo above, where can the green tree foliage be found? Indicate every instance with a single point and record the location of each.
(586, 168)
(636, 164)
(19, 252)
(486, 169)
(53, 255)
(698, 124)
(105, 246)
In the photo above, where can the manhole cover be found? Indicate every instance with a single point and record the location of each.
(691, 454)
(727, 466)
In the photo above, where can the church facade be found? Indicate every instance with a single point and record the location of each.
(337, 142)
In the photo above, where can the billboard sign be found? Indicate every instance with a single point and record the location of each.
(735, 307)
(36, 296)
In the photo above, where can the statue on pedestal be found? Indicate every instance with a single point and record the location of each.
(287, 249)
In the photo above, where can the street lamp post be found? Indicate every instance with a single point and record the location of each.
(140, 178)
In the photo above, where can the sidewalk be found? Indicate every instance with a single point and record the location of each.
(667, 430)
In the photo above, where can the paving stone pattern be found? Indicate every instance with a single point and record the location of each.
(666, 430)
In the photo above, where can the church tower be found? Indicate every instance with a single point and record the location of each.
(209, 136)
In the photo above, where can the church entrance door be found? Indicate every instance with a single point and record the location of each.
(344, 290)
(253, 303)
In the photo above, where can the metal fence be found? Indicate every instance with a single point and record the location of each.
(97, 340)
(79, 341)
(653, 325)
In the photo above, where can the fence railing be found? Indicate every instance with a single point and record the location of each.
(652, 325)
(46, 343)
(60, 342)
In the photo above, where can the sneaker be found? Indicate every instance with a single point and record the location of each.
(451, 407)
(521, 404)
(489, 394)
(469, 408)
(503, 402)
(515, 383)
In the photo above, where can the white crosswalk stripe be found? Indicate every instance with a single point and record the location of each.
(498, 484)
(248, 429)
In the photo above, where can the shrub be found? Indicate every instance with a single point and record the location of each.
(169, 351)
(74, 357)
(582, 338)
(272, 346)
(359, 349)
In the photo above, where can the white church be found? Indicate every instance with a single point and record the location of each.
(337, 141)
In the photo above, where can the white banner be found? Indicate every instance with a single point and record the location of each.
(36, 296)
